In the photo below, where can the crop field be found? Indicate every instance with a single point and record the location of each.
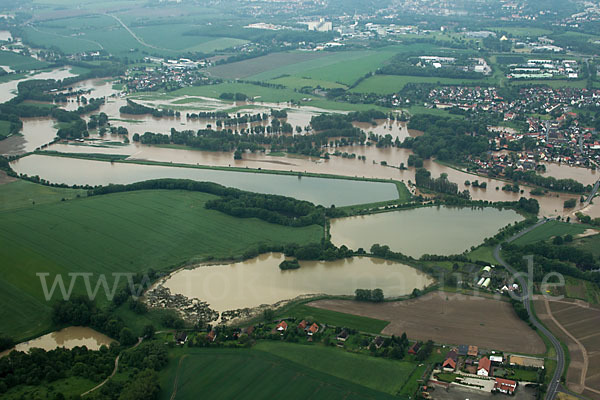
(260, 374)
(271, 65)
(23, 194)
(450, 319)
(388, 84)
(549, 230)
(20, 62)
(125, 232)
(95, 32)
(380, 374)
(571, 321)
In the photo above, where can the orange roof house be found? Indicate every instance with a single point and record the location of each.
(282, 326)
(314, 328)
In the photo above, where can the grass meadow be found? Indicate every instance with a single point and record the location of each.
(123, 232)
(262, 372)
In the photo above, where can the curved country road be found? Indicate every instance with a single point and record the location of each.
(553, 387)
(114, 370)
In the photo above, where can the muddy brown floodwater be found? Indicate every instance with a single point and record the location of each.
(260, 281)
(69, 338)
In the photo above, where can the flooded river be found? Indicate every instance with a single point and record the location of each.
(8, 89)
(326, 192)
(69, 338)
(260, 281)
(550, 204)
(426, 230)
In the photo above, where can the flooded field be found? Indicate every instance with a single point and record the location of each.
(427, 230)
(8, 89)
(322, 191)
(36, 132)
(550, 204)
(260, 281)
(69, 338)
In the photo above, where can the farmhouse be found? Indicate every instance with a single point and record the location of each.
(212, 335)
(181, 337)
(473, 351)
(342, 336)
(378, 342)
(314, 328)
(484, 367)
(496, 359)
(415, 348)
(281, 327)
(451, 360)
(505, 386)
(302, 325)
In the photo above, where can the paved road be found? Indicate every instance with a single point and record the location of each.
(553, 387)
(593, 193)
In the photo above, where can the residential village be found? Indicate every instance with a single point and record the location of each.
(462, 367)
(552, 130)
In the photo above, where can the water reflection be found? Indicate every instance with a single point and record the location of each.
(259, 281)
(428, 230)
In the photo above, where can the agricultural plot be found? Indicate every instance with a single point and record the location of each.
(451, 319)
(576, 324)
(258, 374)
(380, 374)
(265, 94)
(265, 67)
(172, 37)
(549, 230)
(125, 232)
(388, 84)
(23, 194)
(20, 62)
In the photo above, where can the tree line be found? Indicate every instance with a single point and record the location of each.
(271, 208)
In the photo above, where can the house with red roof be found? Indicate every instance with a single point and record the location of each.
(505, 386)
(302, 325)
(281, 327)
(314, 328)
(451, 360)
(484, 367)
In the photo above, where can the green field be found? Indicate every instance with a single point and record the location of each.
(589, 243)
(261, 373)
(124, 232)
(23, 194)
(20, 62)
(4, 129)
(551, 229)
(388, 84)
(362, 324)
(262, 94)
(380, 374)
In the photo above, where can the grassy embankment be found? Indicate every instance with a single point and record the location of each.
(123, 232)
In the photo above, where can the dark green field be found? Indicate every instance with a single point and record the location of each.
(550, 229)
(125, 232)
(255, 374)
(19, 62)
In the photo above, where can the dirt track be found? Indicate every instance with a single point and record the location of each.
(451, 319)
